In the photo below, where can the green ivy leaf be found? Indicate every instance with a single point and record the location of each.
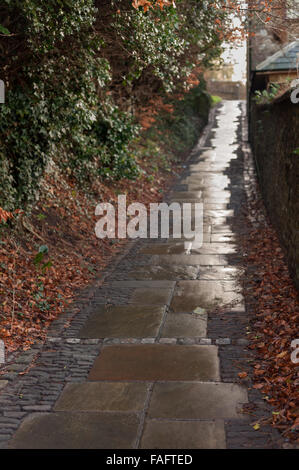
(3, 30)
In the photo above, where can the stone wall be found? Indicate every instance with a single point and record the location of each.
(264, 44)
(274, 135)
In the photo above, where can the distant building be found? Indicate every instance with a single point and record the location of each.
(220, 82)
(270, 37)
(272, 50)
(281, 68)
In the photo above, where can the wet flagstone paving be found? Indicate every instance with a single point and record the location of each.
(135, 368)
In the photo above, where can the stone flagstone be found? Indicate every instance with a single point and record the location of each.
(156, 362)
(228, 273)
(183, 400)
(181, 247)
(103, 396)
(187, 325)
(77, 431)
(190, 260)
(124, 321)
(174, 272)
(223, 237)
(213, 248)
(183, 435)
(206, 294)
(152, 296)
(3, 383)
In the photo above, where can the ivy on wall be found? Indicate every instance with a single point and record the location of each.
(76, 72)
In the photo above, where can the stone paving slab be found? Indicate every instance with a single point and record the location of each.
(217, 220)
(182, 272)
(103, 396)
(189, 295)
(181, 247)
(190, 260)
(197, 401)
(215, 206)
(221, 273)
(206, 199)
(216, 199)
(187, 325)
(152, 296)
(220, 195)
(3, 383)
(218, 212)
(222, 228)
(189, 237)
(178, 195)
(207, 167)
(200, 182)
(62, 430)
(188, 234)
(164, 272)
(223, 238)
(153, 362)
(124, 321)
(148, 284)
(213, 248)
(165, 248)
(183, 435)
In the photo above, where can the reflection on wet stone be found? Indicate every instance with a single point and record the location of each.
(206, 294)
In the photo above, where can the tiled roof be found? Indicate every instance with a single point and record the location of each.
(285, 59)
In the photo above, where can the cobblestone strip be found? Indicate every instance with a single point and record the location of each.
(58, 362)
(234, 356)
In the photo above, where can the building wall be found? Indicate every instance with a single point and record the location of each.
(227, 90)
(263, 45)
(274, 137)
(270, 37)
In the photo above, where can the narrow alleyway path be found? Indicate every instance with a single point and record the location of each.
(136, 367)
